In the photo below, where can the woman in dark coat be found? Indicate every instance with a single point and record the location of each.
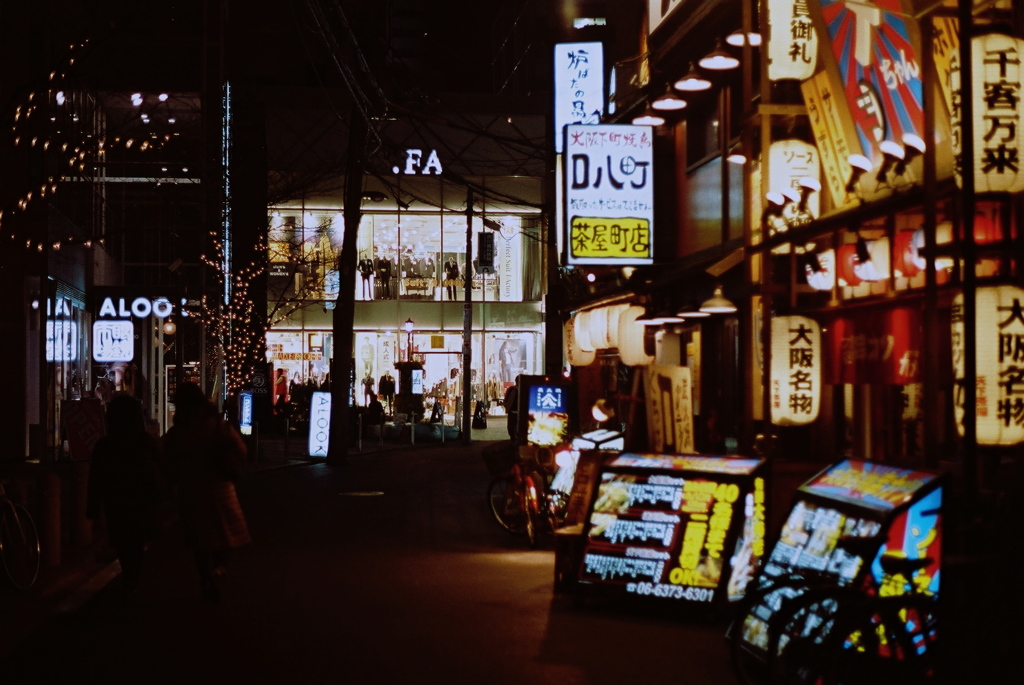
(205, 456)
(125, 486)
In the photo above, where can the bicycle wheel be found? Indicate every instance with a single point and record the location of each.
(532, 495)
(506, 504)
(19, 546)
(801, 646)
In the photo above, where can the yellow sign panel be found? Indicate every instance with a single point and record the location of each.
(610, 238)
(836, 140)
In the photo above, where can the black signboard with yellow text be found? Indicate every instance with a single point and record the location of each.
(673, 528)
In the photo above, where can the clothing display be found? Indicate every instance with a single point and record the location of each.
(365, 268)
(384, 276)
(451, 275)
(386, 387)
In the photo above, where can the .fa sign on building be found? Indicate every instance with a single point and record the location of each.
(795, 370)
(609, 194)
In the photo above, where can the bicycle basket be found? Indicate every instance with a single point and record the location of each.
(500, 457)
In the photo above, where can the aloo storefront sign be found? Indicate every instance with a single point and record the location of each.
(609, 194)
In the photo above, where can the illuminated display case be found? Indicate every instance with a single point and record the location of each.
(899, 510)
(682, 530)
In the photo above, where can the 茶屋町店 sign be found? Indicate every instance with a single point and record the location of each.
(609, 194)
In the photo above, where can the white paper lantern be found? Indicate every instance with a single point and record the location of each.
(612, 313)
(581, 327)
(631, 338)
(997, 79)
(999, 364)
(825, 278)
(794, 169)
(795, 370)
(574, 354)
(599, 328)
(792, 41)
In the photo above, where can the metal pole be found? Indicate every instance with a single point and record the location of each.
(467, 321)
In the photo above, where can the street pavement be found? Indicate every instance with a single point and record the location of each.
(387, 569)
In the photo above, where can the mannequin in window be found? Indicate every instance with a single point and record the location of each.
(366, 270)
(384, 276)
(386, 386)
(368, 394)
(451, 275)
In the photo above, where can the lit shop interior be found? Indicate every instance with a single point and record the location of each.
(410, 296)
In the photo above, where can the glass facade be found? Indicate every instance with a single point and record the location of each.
(411, 265)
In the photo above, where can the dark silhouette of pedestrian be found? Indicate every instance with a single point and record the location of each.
(125, 487)
(205, 456)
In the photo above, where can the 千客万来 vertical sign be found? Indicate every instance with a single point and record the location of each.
(609, 194)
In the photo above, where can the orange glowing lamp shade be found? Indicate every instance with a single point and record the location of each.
(574, 354)
(999, 334)
(795, 370)
(632, 351)
(846, 260)
(905, 255)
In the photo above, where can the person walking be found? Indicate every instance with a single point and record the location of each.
(205, 456)
(125, 488)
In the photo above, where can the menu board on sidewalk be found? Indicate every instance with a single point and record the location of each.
(684, 528)
(892, 510)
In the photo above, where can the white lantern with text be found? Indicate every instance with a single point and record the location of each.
(598, 328)
(792, 41)
(795, 370)
(632, 350)
(611, 313)
(581, 331)
(999, 364)
(574, 354)
(997, 79)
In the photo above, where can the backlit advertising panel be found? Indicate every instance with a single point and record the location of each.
(609, 194)
(682, 528)
(547, 421)
(319, 424)
(579, 86)
(844, 521)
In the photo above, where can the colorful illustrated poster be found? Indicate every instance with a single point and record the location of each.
(688, 462)
(868, 484)
(916, 533)
(672, 534)
(875, 53)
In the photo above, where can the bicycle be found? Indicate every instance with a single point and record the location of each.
(825, 633)
(19, 542)
(521, 497)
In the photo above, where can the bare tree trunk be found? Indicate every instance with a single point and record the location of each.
(344, 310)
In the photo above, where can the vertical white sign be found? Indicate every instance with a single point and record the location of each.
(609, 194)
(509, 267)
(319, 424)
(579, 86)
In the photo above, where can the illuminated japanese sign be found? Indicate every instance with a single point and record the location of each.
(792, 41)
(113, 340)
(866, 483)
(548, 417)
(609, 194)
(791, 162)
(61, 340)
(579, 86)
(873, 47)
(795, 370)
(319, 424)
(997, 78)
(662, 526)
(999, 378)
